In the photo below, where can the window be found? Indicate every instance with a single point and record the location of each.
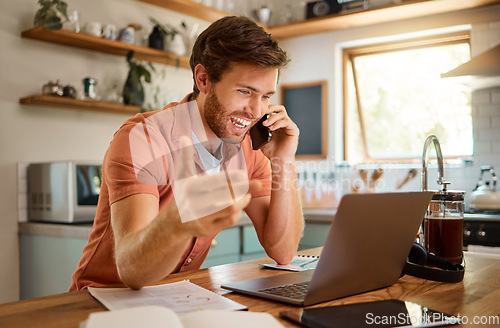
(395, 97)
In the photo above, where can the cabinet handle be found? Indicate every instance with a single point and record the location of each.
(214, 244)
(481, 234)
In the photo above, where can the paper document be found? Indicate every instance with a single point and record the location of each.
(181, 297)
(299, 263)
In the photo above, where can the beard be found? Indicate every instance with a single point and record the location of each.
(217, 119)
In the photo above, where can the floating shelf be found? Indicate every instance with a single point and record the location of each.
(76, 104)
(114, 47)
(383, 14)
(189, 8)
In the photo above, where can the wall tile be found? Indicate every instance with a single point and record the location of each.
(495, 96)
(493, 159)
(483, 147)
(488, 110)
(482, 97)
(482, 122)
(495, 121)
(489, 134)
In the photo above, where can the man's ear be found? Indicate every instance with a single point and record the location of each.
(201, 78)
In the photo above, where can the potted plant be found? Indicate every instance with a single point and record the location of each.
(133, 90)
(52, 15)
(168, 33)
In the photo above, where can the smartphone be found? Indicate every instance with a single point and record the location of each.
(260, 134)
(386, 313)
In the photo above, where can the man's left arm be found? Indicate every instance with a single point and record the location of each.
(278, 219)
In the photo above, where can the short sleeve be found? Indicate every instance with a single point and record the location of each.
(118, 169)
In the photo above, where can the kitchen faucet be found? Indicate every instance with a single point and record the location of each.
(425, 160)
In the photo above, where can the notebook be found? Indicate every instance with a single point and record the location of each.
(366, 249)
(298, 263)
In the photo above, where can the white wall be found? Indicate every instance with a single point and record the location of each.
(32, 133)
(486, 103)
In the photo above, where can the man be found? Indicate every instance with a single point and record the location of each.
(141, 231)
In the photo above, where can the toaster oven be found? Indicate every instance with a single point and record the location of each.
(63, 192)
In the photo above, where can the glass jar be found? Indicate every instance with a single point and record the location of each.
(443, 225)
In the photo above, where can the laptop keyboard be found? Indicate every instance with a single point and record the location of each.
(297, 291)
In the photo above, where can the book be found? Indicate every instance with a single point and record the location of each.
(298, 263)
(154, 316)
(180, 297)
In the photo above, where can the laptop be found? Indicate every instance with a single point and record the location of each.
(366, 248)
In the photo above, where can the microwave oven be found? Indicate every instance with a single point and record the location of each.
(63, 192)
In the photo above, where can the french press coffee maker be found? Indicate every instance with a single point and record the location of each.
(444, 220)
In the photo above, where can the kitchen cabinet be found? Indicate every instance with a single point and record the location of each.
(239, 243)
(250, 244)
(315, 234)
(225, 248)
(47, 263)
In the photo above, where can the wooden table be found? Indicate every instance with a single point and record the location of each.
(478, 296)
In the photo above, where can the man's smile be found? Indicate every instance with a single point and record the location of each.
(240, 122)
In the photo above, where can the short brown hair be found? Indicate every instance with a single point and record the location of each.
(234, 39)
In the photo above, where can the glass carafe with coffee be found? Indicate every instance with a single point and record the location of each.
(444, 220)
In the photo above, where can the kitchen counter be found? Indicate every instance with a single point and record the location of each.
(76, 230)
(82, 230)
(324, 215)
(56, 229)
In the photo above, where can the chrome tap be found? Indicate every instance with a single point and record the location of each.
(425, 160)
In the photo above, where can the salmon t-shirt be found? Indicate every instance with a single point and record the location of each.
(97, 267)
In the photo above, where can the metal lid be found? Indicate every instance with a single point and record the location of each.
(449, 195)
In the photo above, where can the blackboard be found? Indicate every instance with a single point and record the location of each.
(305, 103)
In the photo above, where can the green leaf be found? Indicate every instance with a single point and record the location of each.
(130, 54)
(147, 76)
(53, 23)
(63, 8)
(151, 66)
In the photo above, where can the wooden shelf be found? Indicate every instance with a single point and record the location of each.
(376, 15)
(90, 42)
(189, 8)
(406, 9)
(87, 105)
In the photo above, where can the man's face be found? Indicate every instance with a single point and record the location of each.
(235, 103)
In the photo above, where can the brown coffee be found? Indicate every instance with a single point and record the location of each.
(444, 237)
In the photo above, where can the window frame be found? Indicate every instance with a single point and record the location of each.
(348, 54)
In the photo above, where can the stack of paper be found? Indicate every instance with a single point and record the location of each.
(181, 297)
